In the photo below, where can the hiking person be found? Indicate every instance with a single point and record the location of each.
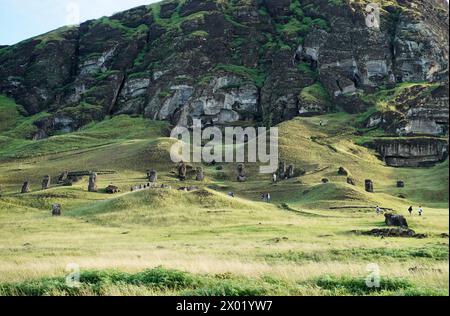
(378, 210)
(269, 198)
(410, 210)
(231, 194)
(420, 210)
(274, 177)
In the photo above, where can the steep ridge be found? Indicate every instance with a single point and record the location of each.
(259, 61)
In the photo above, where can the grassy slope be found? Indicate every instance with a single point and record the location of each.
(278, 250)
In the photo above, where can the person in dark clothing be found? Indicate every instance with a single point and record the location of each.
(410, 210)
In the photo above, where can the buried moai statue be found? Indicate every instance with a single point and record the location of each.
(46, 183)
(351, 181)
(290, 173)
(56, 209)
(63, 177)
(93, 182)
(369, 186)
(200, 175)
(152, 176)
(182, 169)
(281, 170)
(242, 177)
(26, 187)
(400, 184)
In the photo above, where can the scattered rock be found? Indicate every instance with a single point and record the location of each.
(26, 187)
(112, 189)
(422, 270)
(68, 182)
(369, 186)
(351, 181)
(56, 209)
(394, 232)
(188, 189)
(325, 180)
(444, 235)
(92, 182)
(395, 220)
(400, 184)
(46, 183)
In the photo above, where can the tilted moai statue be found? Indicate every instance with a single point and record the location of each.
(200, 176)
(93, 182)
(242, 177)
(46, 183)
(26, 187)
(152, 176)
(351, 181)
(290, 172)
(182, 171)
(281, 170)
(369, 186)
(56, 209)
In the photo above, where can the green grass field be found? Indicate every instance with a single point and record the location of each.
(169, 242)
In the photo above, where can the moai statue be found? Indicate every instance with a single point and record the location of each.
(369, 186)
(56, 209)
(182, 171)
(152, 176)
(200, 174)
(93, 182)
(242, 177)
(282, 170)
(290, 172)
(26, 187)
(63, 176)
(46, 183)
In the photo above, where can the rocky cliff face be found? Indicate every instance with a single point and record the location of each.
(234, 60)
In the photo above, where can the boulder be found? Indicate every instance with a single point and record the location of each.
(400, 184)
(394, 232)
(46, 183)
(56, 209)
(112, 189)
(325, 180)
(26, 187)
(93, 182)
(369, 186)
(395, 220)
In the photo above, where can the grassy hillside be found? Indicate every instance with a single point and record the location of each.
(165, 241)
